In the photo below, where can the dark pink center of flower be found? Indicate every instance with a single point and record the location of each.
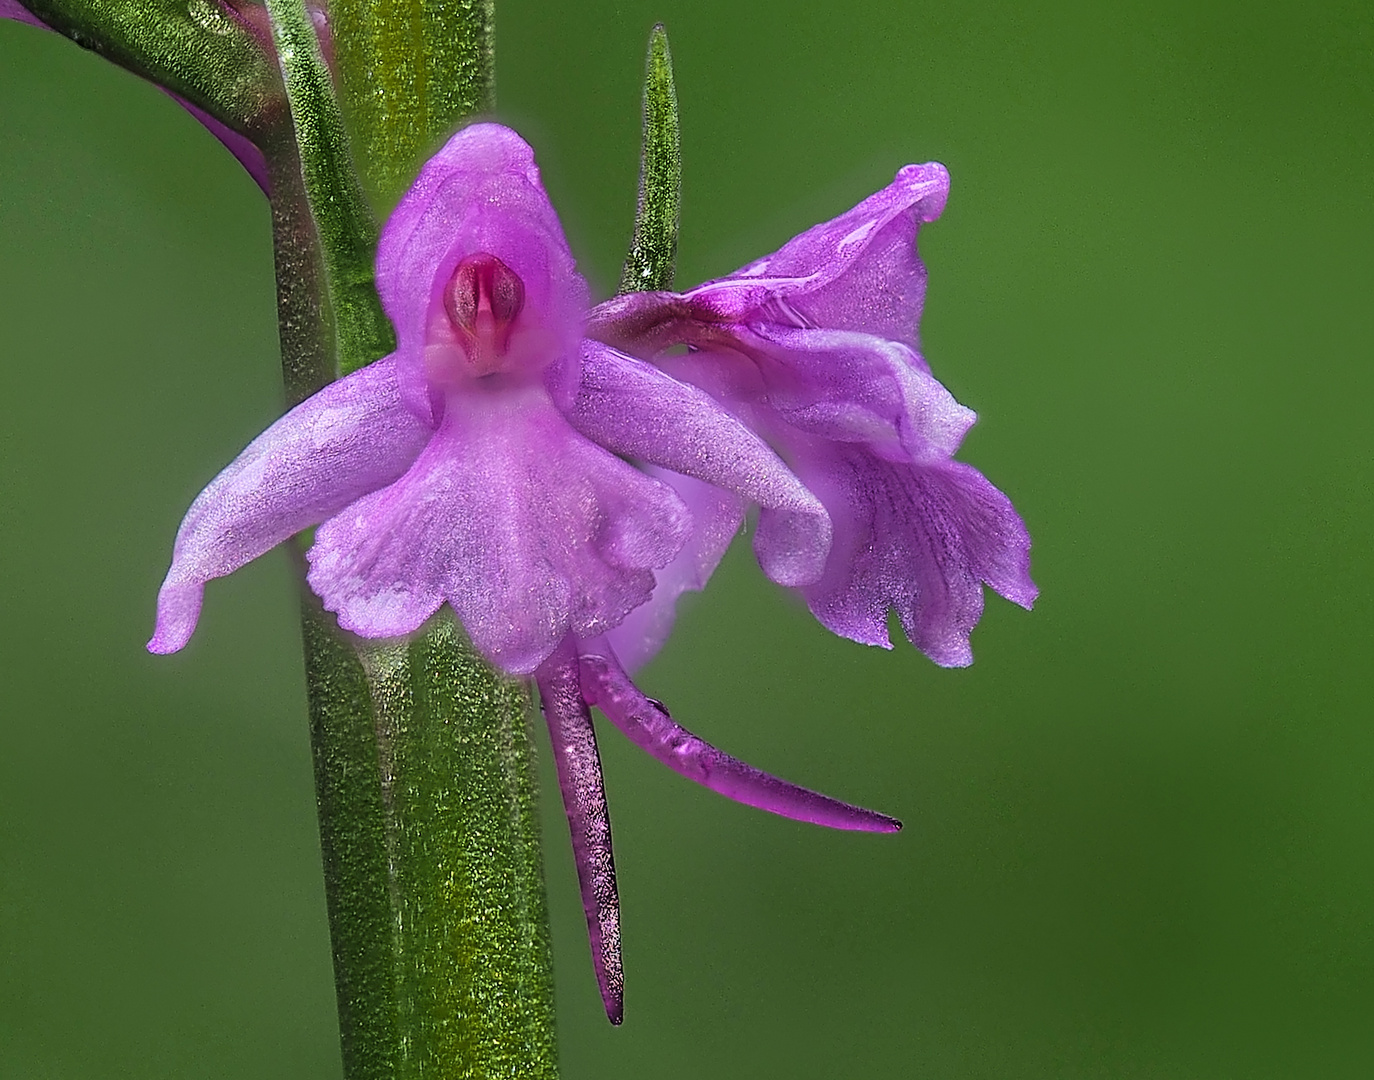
(482, 300)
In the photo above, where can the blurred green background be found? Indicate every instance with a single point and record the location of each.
(1139, 830)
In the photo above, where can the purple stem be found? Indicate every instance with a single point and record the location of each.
(647, 724)
(589, 821)
(12, 9)
(241, 146)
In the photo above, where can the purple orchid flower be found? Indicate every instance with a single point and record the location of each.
(482, 465)
(815, 348)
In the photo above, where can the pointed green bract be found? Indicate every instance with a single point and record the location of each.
(195, 49)
(347, 231)
(652, 260)
(305, 318)
(410, 72)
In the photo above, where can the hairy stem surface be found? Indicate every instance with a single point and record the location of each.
(424, 761)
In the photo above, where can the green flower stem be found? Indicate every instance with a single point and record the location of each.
(409, 72)
(652, 260)
(356, 852)
(474, 972)
(343, 733)
(424, 761)
(305, 319)
(425, 779)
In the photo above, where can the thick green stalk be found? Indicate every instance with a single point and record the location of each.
(423, 758)
(305, 319)
(424, 762)
(354, 846)
(410, 71)
(652, 259)
(474, 970)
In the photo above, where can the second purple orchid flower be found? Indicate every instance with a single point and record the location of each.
(559, 474)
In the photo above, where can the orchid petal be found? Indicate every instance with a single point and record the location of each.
(815, 348)
(841, 384)
(528, 529)
(633, 408)
(589, 821)
(856, 387)
(919, 539)
(350, 438)
(481, 193)
(643, 323)
(716, 519)
(859, 271)
(647, 724)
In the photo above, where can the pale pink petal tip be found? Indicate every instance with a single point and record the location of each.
(178, 611)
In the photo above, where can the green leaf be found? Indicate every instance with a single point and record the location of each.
(192, 47)
(347, 231)
(410, 72)
(652, 260)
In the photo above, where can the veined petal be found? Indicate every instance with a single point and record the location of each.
(920, 539)
(642, 323)
(647, 724)
(815, 348)
(635, 409)
(859, 271)
(350, 438)
(856, 387)
(716, 519)
(842, 384)
(526, 528)
(578, 764)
